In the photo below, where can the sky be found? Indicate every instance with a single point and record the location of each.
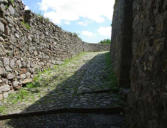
(90, 19)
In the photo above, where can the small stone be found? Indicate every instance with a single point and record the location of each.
(23, 76)
(6, 61)
(16, 72)
(2, 28)
(1, 96)
(26, 81)
(17, 35)
(19, 63)
(5, 94)
(4, 1)
(1, 63)
(10, 76)
(11, 10)
(28, 74)
(24, 64)
(2, 71)
(23, 70)
(32, 70)
(12, 63)
(15, 83)
(12, 38)
(32, 76)
(5, 81)
(17, 88)
(35, 53)
(8, 69)
(1, 39)
(46, 33)
(5, 88)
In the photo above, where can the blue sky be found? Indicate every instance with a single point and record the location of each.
(90, 19)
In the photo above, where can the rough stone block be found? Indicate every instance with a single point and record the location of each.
(15, 83)
(6, 61)
(4, 88)
(23, 76)
(1, 96)
(26, 81)
(12, 63)
(4, 1)
(10, 76)
(5, 94)
(2, 28)
(2, 71)
(11, 10)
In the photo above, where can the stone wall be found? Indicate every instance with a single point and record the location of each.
(148, 97)
(121, 41)
(90, 47)
(29, 43)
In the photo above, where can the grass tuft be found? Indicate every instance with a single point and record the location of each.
(2, 109)
(41, 80)
(26, 25)
(12, 1)
(18, 96)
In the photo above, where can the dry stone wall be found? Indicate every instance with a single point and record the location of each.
(29, 43)
(90, 47)
(148, 98)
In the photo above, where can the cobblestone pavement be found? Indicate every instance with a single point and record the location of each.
(65, 85)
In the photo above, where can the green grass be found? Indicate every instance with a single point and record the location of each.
(31, 85)
(39, 82)
(12, 1)
(2, 109)
(18, 96)
(26, 25)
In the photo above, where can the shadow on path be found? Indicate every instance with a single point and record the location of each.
(63, 97)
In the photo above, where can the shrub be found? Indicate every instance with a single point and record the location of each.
(105, 41)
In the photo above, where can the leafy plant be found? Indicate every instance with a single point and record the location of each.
(2, 108)
(26, 25)
(31, 85)
(12, 1)
(18, 96)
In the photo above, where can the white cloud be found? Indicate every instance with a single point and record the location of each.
(67, 22)
(87, 33)
(70, 10)
(105, 31)
(83, 23)
(58, 17)
(26, 8)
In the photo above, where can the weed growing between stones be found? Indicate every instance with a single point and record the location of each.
(19, 96)
(11, 1)
(33, 91)
(26, 25)
(2, 108)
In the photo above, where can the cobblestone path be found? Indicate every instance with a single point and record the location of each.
(69, 85)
